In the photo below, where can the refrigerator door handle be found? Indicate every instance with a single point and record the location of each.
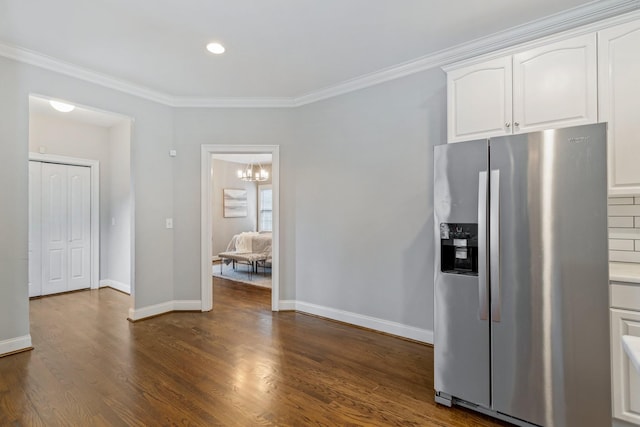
(494, 245)
(483, 292)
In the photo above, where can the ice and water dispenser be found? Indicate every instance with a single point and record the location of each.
(459, 248)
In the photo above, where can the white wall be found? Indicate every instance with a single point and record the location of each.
(64, 137)
(223, 229)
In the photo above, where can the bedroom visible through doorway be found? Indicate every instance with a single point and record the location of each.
(240, 217)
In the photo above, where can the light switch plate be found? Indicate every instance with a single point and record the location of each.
(169, 222)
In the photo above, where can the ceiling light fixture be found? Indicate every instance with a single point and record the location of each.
(253, 173)
(216, 48)
(62, 106)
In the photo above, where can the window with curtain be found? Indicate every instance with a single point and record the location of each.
(265, 208)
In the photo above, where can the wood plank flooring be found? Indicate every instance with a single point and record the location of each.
(239, 365)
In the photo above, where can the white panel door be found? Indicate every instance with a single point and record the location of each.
(479, 100)
(79, 227)
(55, 233)
(555, 85)
(35, 229)
(619, 103)
(66, 228)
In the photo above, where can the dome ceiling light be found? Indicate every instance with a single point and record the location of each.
(63, 107)
(215, 48)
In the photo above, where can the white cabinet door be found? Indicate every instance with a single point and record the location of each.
(479, 100)
(66, 228)
(555, 85)
(35, 235)
(625, 378)
(619, 104)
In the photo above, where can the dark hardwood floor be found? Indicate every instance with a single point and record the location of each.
(239, 365)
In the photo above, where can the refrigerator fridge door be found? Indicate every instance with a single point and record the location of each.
(461, 325)
(549, 277)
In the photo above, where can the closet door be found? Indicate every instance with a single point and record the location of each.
(35, 228)
(79, 227)
(66, 229)
(54, 228)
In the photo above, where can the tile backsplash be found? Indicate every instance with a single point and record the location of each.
(624, 229)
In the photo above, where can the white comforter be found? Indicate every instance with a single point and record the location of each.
(250, 242)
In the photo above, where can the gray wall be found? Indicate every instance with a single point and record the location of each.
(14, 121)
(223, 229)
(355, 187)
(120, 204)
(197, 126)
(152, 138)
(364, 225)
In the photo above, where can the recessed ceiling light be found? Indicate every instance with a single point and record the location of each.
(61, 106)
(216, 48)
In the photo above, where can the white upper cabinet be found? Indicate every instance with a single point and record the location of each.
(556, 85)
(619, 104)
(551, 86)
(479, 100)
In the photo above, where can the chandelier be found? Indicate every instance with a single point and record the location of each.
(253, 173)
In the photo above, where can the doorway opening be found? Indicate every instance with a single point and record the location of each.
(62, 144)
(264, 215)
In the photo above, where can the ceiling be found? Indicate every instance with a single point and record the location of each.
(275, 48)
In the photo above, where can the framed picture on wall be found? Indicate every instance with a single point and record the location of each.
(235, 203)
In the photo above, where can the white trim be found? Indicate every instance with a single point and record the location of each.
(237, 102)
(15, 344)
(187, 305)
(49, 63)
(162, 308)
(95, 204)
(206, 250)
(119, 286)
(569, 24)
(586, 15)
(381, 325)
(287, 305)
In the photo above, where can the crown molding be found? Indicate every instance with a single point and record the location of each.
(239, 102)
(589, 17)
(43, 61)
(573, 22)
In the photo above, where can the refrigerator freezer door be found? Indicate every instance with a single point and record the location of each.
(550, 350)
(461, 337)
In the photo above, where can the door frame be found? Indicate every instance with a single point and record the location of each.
(94, 165)
(206, 220)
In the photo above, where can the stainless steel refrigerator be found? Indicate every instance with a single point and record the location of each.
(521, 327)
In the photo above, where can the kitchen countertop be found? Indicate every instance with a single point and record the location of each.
(624, 272)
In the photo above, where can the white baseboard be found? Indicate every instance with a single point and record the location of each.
(165, 307)
(15, 344)
(119, 286)
(394, 328)
(187, 305)
(286, 305)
